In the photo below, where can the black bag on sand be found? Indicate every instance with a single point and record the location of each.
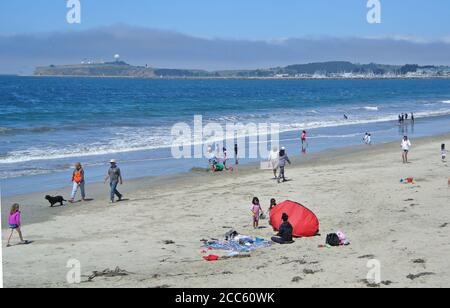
(333, 240)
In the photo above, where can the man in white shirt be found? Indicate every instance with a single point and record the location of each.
(406, 146)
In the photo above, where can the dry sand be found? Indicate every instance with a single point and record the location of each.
(404, 226)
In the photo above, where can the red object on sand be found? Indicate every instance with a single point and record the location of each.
(303, 221)
(211, 258)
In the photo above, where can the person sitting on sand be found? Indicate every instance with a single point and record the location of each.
(78, 182)
(218, 167)
(274, 157)
(256, 212)
(284, 236)
(282, 164)
(15, 224)
(406, 146)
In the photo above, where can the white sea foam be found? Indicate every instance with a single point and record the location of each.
(371, 108)
(446, 102)
(145, 140)
(4, 130)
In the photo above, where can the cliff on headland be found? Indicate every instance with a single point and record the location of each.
(335, 69)
(110, 69)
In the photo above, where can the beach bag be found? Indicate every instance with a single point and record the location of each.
(333, 240)
(343, 238)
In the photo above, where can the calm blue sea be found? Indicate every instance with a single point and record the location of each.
(47, 124)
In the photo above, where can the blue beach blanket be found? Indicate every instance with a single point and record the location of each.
(247, 245)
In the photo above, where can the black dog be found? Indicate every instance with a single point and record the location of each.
(54, 200)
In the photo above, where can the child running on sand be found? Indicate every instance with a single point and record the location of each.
(256, 212)
(15, 223)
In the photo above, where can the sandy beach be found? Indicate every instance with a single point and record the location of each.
(156, 233)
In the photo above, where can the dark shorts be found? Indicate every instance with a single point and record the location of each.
(13, 227)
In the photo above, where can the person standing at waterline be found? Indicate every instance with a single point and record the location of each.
(303, 137)
(78, 182)
(115, 178)
(406, 146)
(274, 157)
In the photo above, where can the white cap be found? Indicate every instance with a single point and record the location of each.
(283, 148)
(112, 161)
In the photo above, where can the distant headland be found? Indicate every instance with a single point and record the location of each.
(319, 70)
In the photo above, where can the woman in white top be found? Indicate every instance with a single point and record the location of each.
(274, 157)
(406, 146)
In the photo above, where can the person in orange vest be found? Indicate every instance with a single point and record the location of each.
(78, 182)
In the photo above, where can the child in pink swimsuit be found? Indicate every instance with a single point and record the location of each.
(256, 212)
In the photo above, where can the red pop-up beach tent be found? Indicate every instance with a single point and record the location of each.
(303, 221)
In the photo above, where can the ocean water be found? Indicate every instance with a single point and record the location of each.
(48, 124)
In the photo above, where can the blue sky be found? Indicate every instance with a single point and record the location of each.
(227, 34)
(244, 19)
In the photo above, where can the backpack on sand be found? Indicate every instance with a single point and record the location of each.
(333, 240)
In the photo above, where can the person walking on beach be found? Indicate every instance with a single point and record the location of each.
(282, 164)
(115, 178)
(236, 154)
(256, 212)
(78, 182)
(412, 117)
(367, 139)
(406, 146)
(14, 222)
(443, 153)
(274, 157)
